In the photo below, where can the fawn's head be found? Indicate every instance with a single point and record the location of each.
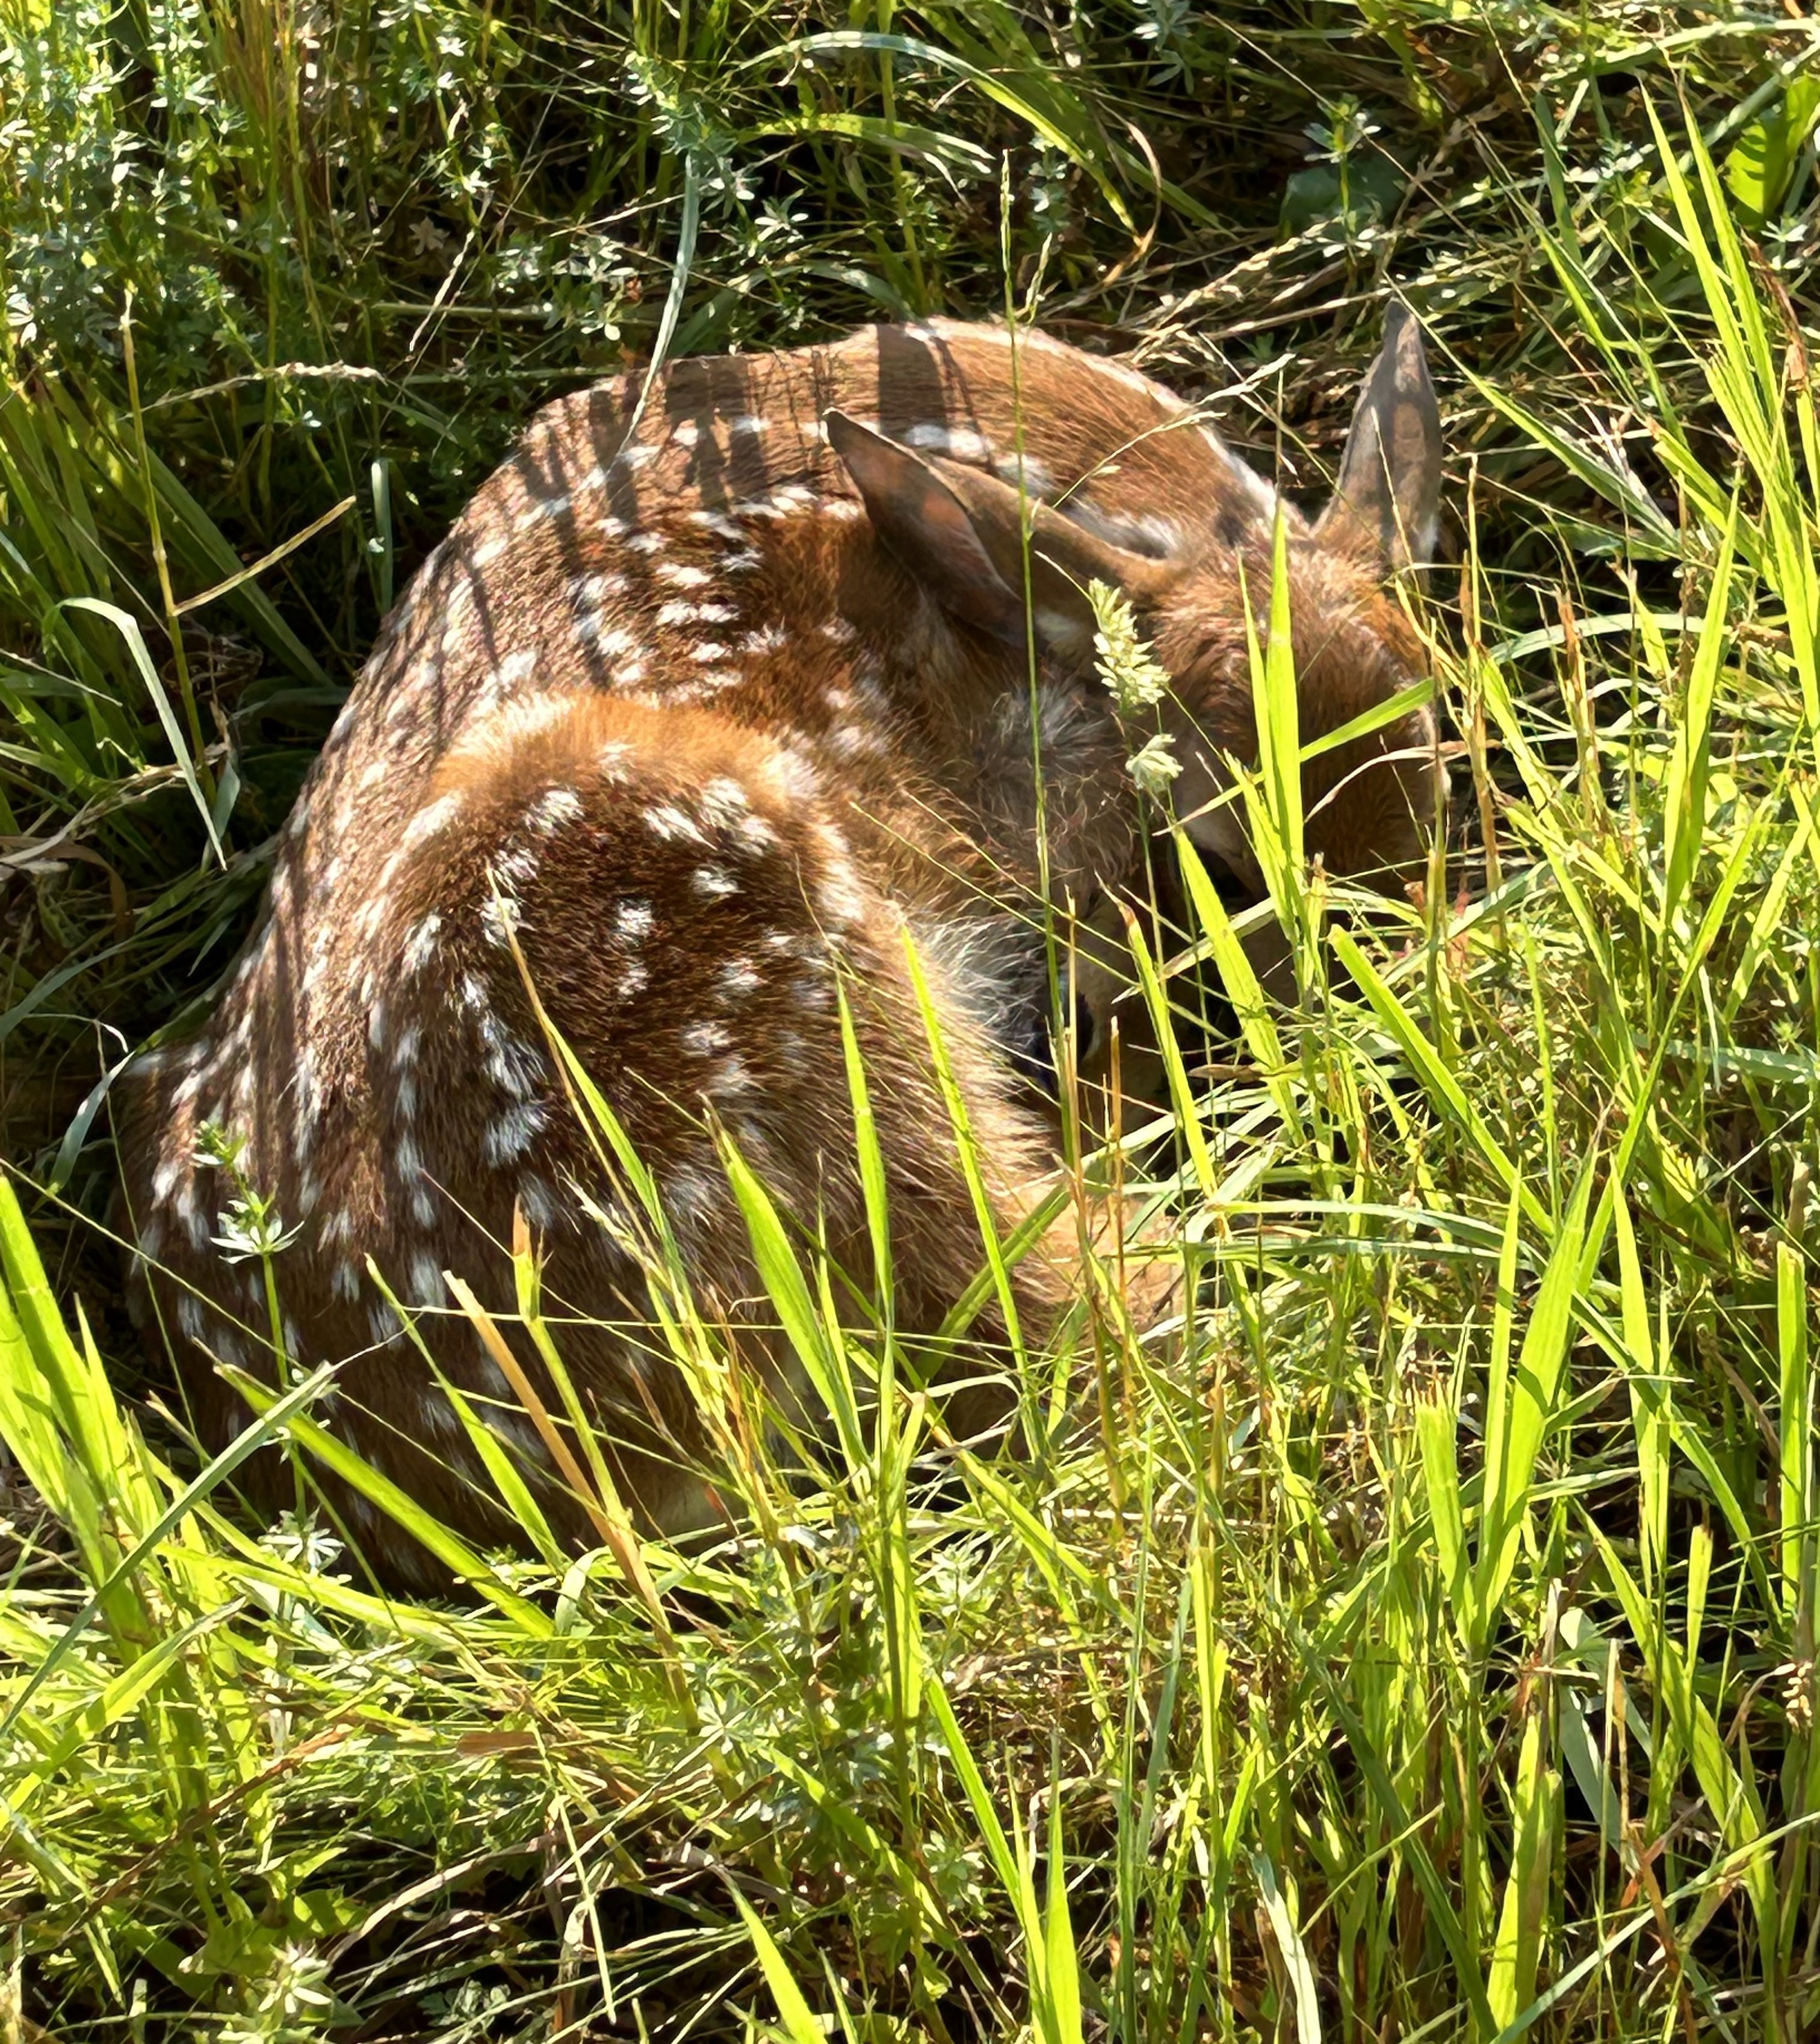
(961, 531)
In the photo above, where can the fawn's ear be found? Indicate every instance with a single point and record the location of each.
(1386, 505)
(960, 531)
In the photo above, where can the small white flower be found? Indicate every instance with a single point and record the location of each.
(1130, 671)
(1154, 766)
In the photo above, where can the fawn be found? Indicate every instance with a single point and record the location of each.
(685, 726)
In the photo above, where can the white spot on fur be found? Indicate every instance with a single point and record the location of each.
(840, 895)
(790, 775)
(723, 800)
(307, 1093)
(738, 978)
(707, 1039)
(1037, 480)
(683, 575)
(419, 946)
(713, 883)
(680, 612)
(410, 1162)
(936, 436)
(632, 920)
(591, 630)
(552, 810)
(516, 667)
(674, 826)
(514, 1067)
(754, 834)
(690, 1194)
(849, 741)
(510, 1135)
(438, 1418)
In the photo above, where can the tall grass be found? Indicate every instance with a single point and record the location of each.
(1419, 1641)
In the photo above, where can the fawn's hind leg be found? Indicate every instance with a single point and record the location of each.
(675, 901)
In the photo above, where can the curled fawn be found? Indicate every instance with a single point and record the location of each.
(685, 728)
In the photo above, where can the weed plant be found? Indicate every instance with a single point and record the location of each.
(1418, 1642)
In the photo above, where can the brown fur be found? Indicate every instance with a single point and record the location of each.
(669, 722)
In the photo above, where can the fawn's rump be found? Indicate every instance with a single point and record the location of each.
(667, 889)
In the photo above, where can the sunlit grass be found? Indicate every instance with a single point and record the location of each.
(1415, 1637)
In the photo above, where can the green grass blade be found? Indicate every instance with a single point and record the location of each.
(1437, 1080)
(127, 627)
(801, 2023)
(1528, 1405)
(399, 1506)
(1512, 1984)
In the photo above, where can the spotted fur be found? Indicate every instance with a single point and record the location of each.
(675, 731)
